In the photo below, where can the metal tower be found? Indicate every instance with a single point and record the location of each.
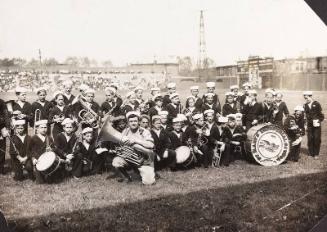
(202, 59)
(40, 57)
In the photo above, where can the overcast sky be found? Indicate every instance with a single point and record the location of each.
(137, 30)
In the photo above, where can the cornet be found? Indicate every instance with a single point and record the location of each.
(87, 114)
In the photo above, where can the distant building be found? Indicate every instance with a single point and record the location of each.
(257, 70)
(171, 69)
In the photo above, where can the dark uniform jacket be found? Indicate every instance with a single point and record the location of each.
(214, 107)
(282, 110)
(229, 109)
(315, 112)
(267, 113)
(26, 109)
(45, 110)
(173, 110)
(175, 140)
(64, 147)
(252, 112)
(162, 142)
(38, 147)
(166, 100)
(22, 147)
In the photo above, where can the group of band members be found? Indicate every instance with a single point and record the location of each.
(157, 133)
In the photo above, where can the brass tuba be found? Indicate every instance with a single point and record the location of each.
(87, 114)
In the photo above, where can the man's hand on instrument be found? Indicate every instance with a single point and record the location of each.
(5, 132)
(222, 148)
(69, 156)
(255, 122)
(125, 140)
(197, 150)
(34, 161)
(165, 154)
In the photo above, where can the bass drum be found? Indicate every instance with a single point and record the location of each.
(267, 144)
(184, 156)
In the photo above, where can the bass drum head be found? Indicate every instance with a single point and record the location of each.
(45, 161)
(182, 154)
(268, 144)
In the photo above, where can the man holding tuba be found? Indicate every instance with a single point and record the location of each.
(136, 150)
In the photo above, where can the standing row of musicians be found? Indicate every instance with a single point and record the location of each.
(168, 124)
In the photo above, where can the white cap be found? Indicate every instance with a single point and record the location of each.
(210, 84)
(131, 113)
(41, 122)
(229, 94)
(177, 119)
(299, 108)
(16, 112)
(234, 87)
(247, 84)
(129, 94)
(67, 121)
(155, 89)
(155, 117)
(19, 122)
(222, 119)
(138, 88)
(111, 89)
(56, 93)
(173, 95)
(210, 111)
(87, 130)
(163, 113)
(238, 115)
(190, 97)
(182, 117)
(231, 116)
(83, 87)
(20, 90)
(270, 90)
(308, 93)
(40, 89)
(171, 85)
(194, 87)
(197, 116)
(209, 94)
(89, 90)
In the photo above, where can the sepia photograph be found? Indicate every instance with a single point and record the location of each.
(163, 115)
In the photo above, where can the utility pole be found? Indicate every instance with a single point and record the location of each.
(40, 57)
(202, 59)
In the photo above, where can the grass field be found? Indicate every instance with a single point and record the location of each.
(241, 197)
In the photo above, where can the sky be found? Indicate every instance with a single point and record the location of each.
(128, 31)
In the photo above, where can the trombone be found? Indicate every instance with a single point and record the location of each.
(37, 117)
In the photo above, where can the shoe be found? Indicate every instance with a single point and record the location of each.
(76, 178)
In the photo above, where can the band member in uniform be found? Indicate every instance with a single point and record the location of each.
(41, 107)
(294, 127)
(162, 146)
(58, 113)
(21, 106)
(92, 108)
(197, 100)
(236, 94)
(141, 142)
(191, 108)
(19, 148)
(198, 135)
(139, 101)
(145, 121)
(87, 158)
(65, 141)
(117, 98)
(157, 107)
(314, 116)
(281, 109)
(174, 107)
(246, 87)
(251, 110)
(268, 108)
(164, 120)
(211, 87)
(171, 90)
(67, 90)
(155, 91)
(130, 104)
(230, 107)
(41, 143)
(235, 137)
(209, 103)
(109, 107)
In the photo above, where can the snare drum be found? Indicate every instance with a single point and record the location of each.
(48, 163)
(267, 144)
(184, 156)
